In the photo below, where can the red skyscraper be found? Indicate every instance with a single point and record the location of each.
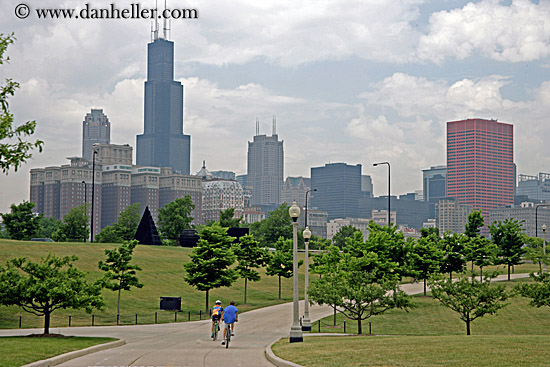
(480, 163)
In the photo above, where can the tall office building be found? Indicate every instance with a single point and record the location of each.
(265, 168)
(434, 184)
(163, 143)
(480, 163)
(96, 129)
(535, 188)
(338, 189)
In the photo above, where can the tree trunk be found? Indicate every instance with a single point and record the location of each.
(508, 272)
(279, 287)
(481, 273)
(424, 287)
(207, 300)
(118, 309)
(359, 327)
(245, 281)
(451, 276)
(467, 326)
(47, 322)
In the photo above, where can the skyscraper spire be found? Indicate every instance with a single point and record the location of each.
(155, 30)
(165, 28)
(274, 132)
(257, 126)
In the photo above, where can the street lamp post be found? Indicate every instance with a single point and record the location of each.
(306, 322)
(93, 196)
(85, 201)
(296, 334)
(389, 186)
(544, 247)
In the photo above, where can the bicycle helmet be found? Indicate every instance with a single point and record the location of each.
(218, 302)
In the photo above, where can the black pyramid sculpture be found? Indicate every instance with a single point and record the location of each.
(147, 233)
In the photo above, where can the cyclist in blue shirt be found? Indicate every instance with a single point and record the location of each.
(217, 312)
(230, 316)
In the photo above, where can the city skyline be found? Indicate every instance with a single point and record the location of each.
(339, 79)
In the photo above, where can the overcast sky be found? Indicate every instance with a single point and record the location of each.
(349, 81)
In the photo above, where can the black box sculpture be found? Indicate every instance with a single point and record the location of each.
(189, 238)
(170, 303)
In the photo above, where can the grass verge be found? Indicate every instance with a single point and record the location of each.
(20, 350)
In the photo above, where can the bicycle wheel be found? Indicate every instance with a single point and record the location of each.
(215, 332)
(227, 336)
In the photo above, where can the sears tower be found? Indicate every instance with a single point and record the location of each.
(163, 143)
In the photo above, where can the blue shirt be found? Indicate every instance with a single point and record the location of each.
(230, 314)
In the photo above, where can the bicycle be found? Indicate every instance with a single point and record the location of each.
(227, 335)
(216, 329)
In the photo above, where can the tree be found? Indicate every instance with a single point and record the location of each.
(534, 251)
(41, 288)
(22, 223)
(358, 282)
(539, 292)
(174, 217)
(48, 226)
(211, 260)
(481, 252)
(227, 219)
(277, 224)
(475, 222)
(14, 150)
(509, 240)
(427, 232)
(75, 227)
(340, 237)
(119, 273)
(125, 227)
(426, 258)
(453, 260)
(250, 256)
(470, 300)
(281, 262)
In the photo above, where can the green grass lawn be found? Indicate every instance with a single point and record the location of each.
(162, 275)
(431, 335)
(17, 351)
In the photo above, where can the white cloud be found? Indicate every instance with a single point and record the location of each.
(513, 33)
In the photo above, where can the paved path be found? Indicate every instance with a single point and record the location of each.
(188, 344)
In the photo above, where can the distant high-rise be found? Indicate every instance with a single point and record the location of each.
(480, 163)
(434, 186)
(163, 143)
(338, 189)
(96, 129)
(265, 168)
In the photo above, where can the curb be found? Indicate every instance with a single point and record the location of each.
(75, 354)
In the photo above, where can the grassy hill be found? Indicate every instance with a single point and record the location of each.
(162, 275)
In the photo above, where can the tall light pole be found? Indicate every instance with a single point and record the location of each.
(296, 334)
(85, 201)
(306, 322)
(307, 192)
(544, 246)
(389, 186)
(93, 194)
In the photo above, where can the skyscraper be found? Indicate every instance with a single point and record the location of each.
(480, 163)
(96, 129)
(163, 143)
(434, 186)
(338, 189)
(265, 168)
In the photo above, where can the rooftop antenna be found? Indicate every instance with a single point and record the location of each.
(274, 125)
(156, 31)
(257, 126)
(165, 27)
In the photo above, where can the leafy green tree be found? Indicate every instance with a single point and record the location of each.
(534, 251)
(75, 227)
(119, 273)
(453, 260)
(471, 300)
(345, 232)
(125, 227)
(211, 260)
(481, 252)
(174, 217)
(227, 220)
(509, 240)
(281, 261)
(357, 282)
(390, 245)
(14, 150)
(475, 222)
(277, 224)
(539, 291)
(48, 226)
(250, 256)
(21, 223)
(427, 232)
(41, 288)
(426, 258)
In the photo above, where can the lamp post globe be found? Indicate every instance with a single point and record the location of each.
(306, 323)
(296, 334)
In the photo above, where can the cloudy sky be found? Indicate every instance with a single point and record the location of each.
(349, 81)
